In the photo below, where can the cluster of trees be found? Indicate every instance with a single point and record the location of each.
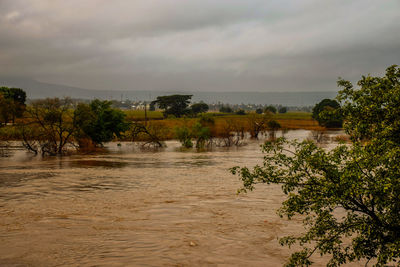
(12, 104)
(225, 109)
(178, 106)
(348, 197)
(259, 110)
(273, 109)
(200, 132)
(99, 121)
(53, 124)
(204, 132)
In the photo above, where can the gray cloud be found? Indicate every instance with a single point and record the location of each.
(208, 45)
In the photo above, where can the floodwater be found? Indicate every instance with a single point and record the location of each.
(129, 207)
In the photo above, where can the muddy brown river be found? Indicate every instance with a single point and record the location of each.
(129, 207)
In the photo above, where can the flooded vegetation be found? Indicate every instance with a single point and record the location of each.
(129, 206)
(199, 133)
(103, 189)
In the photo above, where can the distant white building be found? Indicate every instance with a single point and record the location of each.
(140, 106)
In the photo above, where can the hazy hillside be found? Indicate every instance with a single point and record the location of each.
(37, 89)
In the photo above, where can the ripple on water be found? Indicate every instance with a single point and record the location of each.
(139, 208)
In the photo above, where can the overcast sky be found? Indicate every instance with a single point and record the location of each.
(198, 45)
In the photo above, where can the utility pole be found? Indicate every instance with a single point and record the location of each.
(145, 113)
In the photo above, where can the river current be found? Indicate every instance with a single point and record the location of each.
(129, 207)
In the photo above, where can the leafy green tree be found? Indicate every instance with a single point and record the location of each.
(99, 121)
(347, 197)
(328, 113)
(199, 108)
(373, 110)
(13, 103)
(184, 136)
(175, 105)
(282, 110)
(201, 133)
(259, 111)
(270, 108)
(5, 91)
(225, 109)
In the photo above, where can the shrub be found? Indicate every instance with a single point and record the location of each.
(270, 108)
(184, 136)
(240, 112)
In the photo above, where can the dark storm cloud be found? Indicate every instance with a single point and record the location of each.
(204, 45)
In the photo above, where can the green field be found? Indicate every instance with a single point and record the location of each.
(293, 116)
(140, 114)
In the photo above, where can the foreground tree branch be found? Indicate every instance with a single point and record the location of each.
(348, 197)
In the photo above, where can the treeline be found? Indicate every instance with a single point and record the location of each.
(55, 126)
(52, 126)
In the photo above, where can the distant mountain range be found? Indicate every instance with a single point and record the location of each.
(37, 90)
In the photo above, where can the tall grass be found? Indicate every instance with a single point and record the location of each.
(139, 115)
(10, 133)
(290, 120)
(293, 116)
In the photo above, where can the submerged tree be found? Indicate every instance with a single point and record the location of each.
(99, 121)
(348, 197)
(50, 126)
(200, 132)
(152, 134)
(231, 133)
(258, 123)
(184, 136)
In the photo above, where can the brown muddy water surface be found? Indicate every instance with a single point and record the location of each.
(139, 208)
